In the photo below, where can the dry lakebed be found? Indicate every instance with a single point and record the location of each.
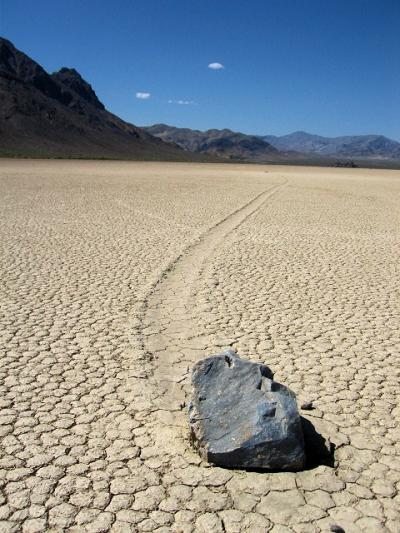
(116, 277)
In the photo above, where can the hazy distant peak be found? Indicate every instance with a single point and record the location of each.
(301, 132)
(348, 146)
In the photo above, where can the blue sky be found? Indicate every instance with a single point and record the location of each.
(325, 66)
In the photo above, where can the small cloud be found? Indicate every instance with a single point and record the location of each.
(215, 66)
(143, 96)
(182, 102)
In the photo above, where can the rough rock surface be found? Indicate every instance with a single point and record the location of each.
(240, 417)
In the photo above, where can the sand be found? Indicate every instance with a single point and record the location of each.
(117, 276)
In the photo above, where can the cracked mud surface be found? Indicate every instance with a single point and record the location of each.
(118, 276)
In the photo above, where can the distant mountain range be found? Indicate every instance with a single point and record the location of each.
(352, 146)
(224, 143)
(295, 147)
(59, 115)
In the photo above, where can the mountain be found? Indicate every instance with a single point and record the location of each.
(60, 115)
(356, 146)
(224, 143)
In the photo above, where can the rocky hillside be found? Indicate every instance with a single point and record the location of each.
(59, 115)
(224, 143)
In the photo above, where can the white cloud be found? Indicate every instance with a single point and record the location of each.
(182, 102)
(215, 66)
(143, 96)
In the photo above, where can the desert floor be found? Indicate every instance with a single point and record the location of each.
(116, 277)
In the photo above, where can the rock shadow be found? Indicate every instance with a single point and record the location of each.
(319, 450)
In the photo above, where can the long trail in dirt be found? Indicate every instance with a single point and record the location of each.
(172, 338)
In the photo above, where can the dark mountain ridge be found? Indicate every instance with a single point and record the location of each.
(60, 115)
(70, 78)
(225, 143)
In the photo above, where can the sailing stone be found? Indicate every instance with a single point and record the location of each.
(241, 418)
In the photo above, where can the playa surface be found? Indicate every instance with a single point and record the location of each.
(118, 276)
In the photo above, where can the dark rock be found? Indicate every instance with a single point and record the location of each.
(345, 164)
(307, 406)
(337, 529)
(240, 417)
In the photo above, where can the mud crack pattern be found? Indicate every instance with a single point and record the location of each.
(117, 277)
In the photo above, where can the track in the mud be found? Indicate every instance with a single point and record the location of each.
(172, 338)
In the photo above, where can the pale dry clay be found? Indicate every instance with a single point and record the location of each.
(118, 276)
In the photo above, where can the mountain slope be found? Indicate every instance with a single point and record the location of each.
(224, 143)
(59, 115)
(364, 146)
